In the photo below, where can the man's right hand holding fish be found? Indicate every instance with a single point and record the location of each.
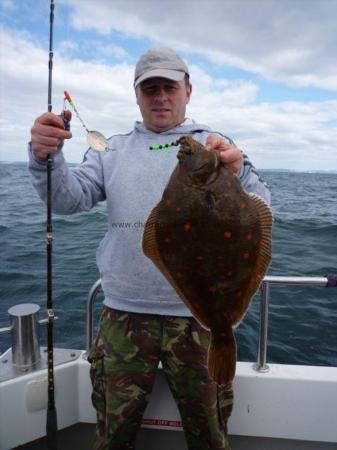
(230, 155)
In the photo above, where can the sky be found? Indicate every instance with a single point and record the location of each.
(263, 72)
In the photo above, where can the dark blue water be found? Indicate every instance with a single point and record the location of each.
(302, 321)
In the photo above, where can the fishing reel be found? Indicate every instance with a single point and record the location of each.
(65, 120)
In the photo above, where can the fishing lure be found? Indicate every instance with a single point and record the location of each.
(156, 147)
(95, 139)
(71, 103)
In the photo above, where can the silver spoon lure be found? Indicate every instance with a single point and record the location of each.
(95, 139)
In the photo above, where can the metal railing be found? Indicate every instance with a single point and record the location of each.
(261, 364)
(95, 288)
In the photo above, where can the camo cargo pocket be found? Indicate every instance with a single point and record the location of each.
(96, 359)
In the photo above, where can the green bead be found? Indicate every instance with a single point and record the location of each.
(156, 147)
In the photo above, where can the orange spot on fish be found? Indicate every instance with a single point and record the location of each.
(245, 255)
(168, 240)
(168, 202)
(227, 234)
(249, 236)
(243, 205)
(187, 226)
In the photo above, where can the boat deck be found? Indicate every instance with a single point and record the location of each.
(81, 436)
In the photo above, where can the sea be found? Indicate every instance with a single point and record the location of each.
(302, 319)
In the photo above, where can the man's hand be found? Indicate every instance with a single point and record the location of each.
(230, 155)
(48, 134)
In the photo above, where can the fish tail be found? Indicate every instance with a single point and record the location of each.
(222, 356)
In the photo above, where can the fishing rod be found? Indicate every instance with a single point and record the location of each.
(98, 142)
(51, 425)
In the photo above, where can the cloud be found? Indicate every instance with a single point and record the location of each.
(220, 91)
(92, 49)
(284, 134)
(100, 93)
(8, 5)
(292, 41)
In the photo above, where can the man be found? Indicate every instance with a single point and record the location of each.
(143, 320)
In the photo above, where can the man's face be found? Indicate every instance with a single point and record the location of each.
(162, 103)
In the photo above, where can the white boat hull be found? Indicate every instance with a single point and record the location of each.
(288, 402)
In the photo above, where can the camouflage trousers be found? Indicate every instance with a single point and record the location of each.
(124, 360)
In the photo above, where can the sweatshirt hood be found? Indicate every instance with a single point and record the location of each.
(187, 127)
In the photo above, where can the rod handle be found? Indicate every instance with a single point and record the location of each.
(51, 430)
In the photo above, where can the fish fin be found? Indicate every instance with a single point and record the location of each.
(149, 243)
(222, 356)
(264, 252)
(264, 212)
(151, 250)
(266, 222)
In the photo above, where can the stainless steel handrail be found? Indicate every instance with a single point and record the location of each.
(95, 288)
(261, 364)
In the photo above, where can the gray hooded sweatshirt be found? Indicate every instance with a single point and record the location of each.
(131, 179)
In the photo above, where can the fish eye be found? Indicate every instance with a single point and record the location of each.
(186, 149)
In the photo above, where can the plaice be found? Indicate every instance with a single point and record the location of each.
(212, 242)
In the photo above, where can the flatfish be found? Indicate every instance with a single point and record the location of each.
(212, 242)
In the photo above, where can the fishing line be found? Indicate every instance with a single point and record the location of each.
(71, 103)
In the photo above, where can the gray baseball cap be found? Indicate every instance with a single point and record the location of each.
(160, 62)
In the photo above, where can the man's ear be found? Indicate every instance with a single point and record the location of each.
(136, 94)
(189, 92)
